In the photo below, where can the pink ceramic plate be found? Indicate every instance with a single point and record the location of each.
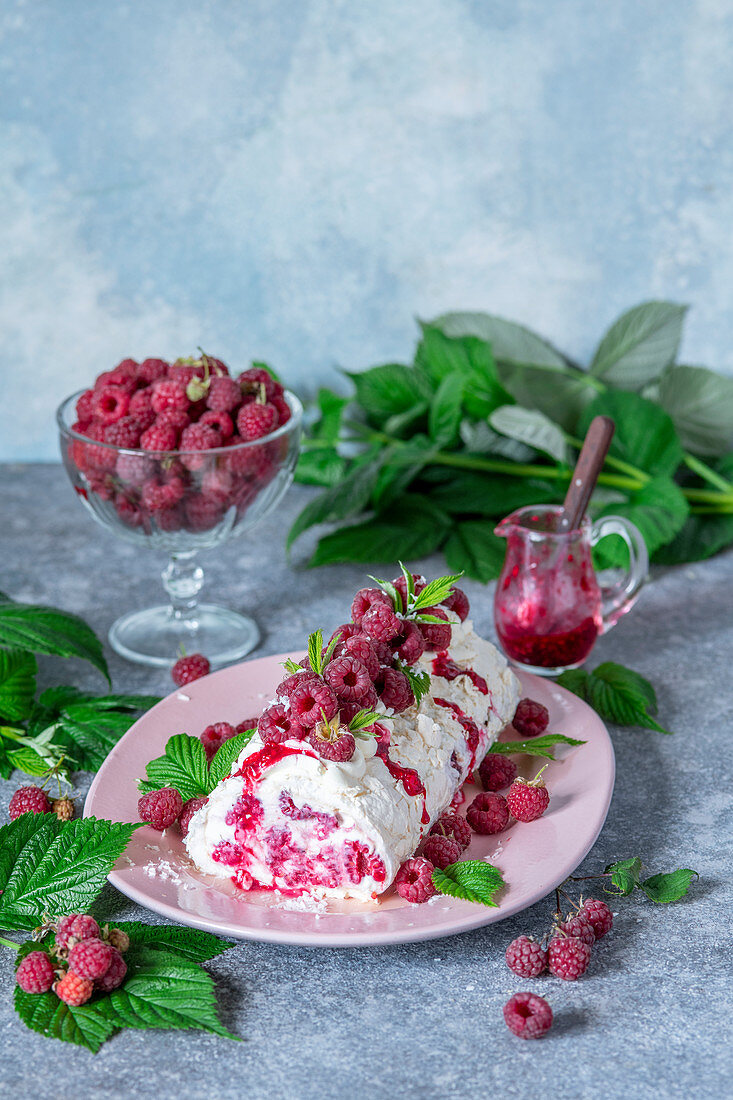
(533, 858)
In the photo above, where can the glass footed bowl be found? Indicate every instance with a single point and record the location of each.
(181, 502)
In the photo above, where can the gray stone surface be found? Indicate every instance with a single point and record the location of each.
(423, 1020)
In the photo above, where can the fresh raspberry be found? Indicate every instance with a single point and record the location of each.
(348, 678)
(123, 376)
(385, 656)
(278, 723)
(339, 750)
(401, 585)
(527, 801)
(169, 393)
(128, 511)
(159, 495)
(394, 690)
(140, 404)
(360, 646)
(159, 437)
(577, 925)
(217, 483)
(526, 957)
(437, 637)
(160, 808)
(414, 881)
(246, 725)
(287, 686)
(380, 622)
(346, 631)
(183, 371)
(200, 437)
(90, 958)
(28, 800)
(119, 939)
(177, 419)
(455, 827)
(282, 408)
(256, 421)
(313, 701)
(598, 914)
(568, 957)
(409, 644)
(115, 974)
(527, 1015)
(441, 851)
(124, 433)
(85, 406)
(187, 669)
(169, 519)
(364, 599)
(530, 718)
(110, 404)
(63, 808)
(74, 927)
(251, 380)
(214, 737)
(150, 370)
(202, 512)
(189, 809)
(224, 394)
(73, 990)
(488, 814)
(220, 422)
(458, 602)
(496, 771)
(35, 974)
(134, 470)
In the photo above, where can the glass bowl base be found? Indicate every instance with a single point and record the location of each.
(155, 636)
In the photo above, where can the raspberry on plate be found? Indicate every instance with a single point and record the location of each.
(414, 881)
(35, 974)
(160, 808)
(455, 827)
(527, 1015)
(530, 718)
(526, 957)
(365, 599)
(348, 677)
(190, 668)
(496, 771)
(441, 850)
(598, 914)
(214, 737)
(488, 813)
(409, 644)
(458, 602)
(437, 636)
(277, 723)
(189, 809)
(528, 799)
(381, 623)
(28, 800)
(568, 957)
(394, 690)
(338, 750)
(313, 701)
(361, 647)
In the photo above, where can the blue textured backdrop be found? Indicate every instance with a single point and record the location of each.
(297, 179)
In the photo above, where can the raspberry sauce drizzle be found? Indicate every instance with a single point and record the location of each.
(473, 735)
(447, 669)
(408, 777)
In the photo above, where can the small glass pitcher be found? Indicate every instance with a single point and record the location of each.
(549, 607)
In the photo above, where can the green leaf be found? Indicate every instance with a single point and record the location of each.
(508, 340)
(624, 875)
(225, 757)
(400, 468)
(183, 766)
(315, 651)
(347, 499)
(640, 344)
(411, 527)
(25, 759)
(645, 434)
(323, 466)
(192, 943)
(670, 887)
(40, 629)
(390, 390)
(445, 412)
(60, 870)
(418, 681)
(468, 362)
(328, 426)
(435, 592)
(16, 837)
(478, 438)
(698, 539)
(87, 1026)
(535, 746)
(91, 733)
(617, 693)
(531, 427)
(561, 394)
(164, 990)
(475, 550)
(659, 510)
(700, 403)
(491, 494)
(470, 880)
(18, 670)
(364, 718)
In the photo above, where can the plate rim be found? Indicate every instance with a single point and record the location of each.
(484, 915)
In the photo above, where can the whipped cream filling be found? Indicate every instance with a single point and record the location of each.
(290, 821)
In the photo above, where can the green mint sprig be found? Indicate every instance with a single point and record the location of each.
(416, 605)
(364, 718)
(470, 880)
(535, 746)
(617, 693)
(184, 766)
(419, 681)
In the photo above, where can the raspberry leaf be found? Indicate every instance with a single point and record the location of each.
(535, 746)
(364, 718)
(87, 1026)
(39, 629)
(617, 693)
(393, 593)
(221, 766)
(183, 766)
(640, 344)
(17, 835)
(624, 875)
(315, 651)
(59, 868)
(17, 683)
(291, 666)
(331, 648)
(670, 887)
(418, 681)
(435, 592)
(192, 943)
(470, 880)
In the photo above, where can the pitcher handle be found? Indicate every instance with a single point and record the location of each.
(618, 598)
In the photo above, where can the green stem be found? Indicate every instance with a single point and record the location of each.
(706, 496)
(13, 733)
(615, 463)
(721, 510)
(9, 943)
(703, 470)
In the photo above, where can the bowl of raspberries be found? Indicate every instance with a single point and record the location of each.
(179, 457)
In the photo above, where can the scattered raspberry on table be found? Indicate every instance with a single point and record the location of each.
(190, 668)
(527, 1015)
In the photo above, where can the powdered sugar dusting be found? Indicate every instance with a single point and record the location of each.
(303, 904)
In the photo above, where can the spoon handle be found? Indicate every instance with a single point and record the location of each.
(588, 467)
